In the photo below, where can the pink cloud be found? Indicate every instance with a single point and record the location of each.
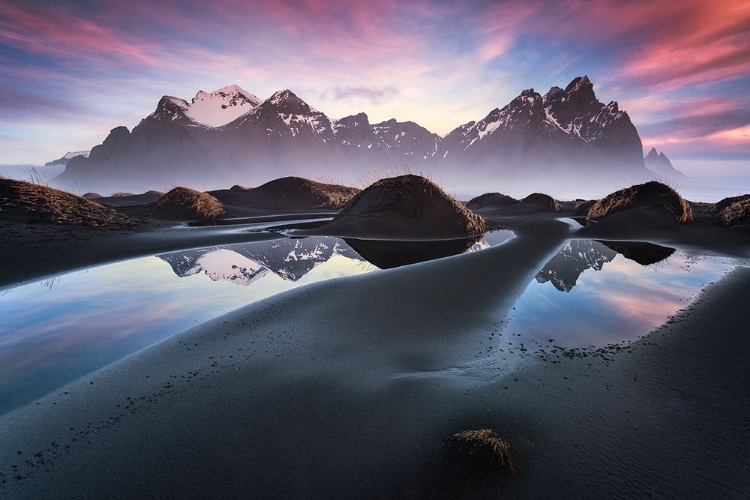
(60, 34)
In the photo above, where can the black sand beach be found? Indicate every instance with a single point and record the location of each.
(350, 387)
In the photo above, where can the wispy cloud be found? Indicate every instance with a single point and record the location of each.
(368, 94)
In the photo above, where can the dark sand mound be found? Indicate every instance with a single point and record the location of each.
(186, 204)
(131, 200)
(496, 204)
(732, 211)
(490, 200)
(658, 199)
(582, 208)
(287, 193)
(92, 196)
(405, 207)
(25, 201)
(543, 202)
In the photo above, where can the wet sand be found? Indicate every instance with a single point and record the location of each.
(348, 389)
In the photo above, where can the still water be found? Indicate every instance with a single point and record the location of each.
(589, 294)
(57, 330)
(596, 294)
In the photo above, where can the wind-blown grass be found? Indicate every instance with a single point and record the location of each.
(738, 212)
(39, 203)
(485, 443)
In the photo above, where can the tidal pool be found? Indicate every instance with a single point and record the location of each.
(57, 330)
(595, 294)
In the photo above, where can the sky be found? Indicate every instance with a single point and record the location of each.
(71, 71)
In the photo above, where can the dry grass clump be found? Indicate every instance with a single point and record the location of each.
(485, 443)
(186, 202)
(650, 193)
(334, 195)
(718, 207)
(44, 204)
(738, 212)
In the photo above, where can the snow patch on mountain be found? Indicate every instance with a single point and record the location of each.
(221, 106)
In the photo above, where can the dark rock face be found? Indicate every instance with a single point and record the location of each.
(565, 132)
(659, 164)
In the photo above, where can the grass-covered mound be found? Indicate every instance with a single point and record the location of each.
(732, 211)
(544, 202)
(490, 200)
(653, 196)
(288, 193)
(26, 201)
(406, 207)
(183, 203)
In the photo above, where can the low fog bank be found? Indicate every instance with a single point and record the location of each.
(464, 184)
(32, 173)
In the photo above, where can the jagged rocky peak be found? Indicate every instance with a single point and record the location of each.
(654, 155)
(659, 164)
(354, 130)
(169, 109)
(576, 100)
(360, 120)
(289, 102)
(581, 89)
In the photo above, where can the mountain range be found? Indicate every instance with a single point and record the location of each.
(231, 137)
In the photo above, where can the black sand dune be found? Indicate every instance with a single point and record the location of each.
(403, 208)
(183, 203)
(287, 193)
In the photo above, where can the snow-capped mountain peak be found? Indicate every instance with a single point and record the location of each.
(221, 106)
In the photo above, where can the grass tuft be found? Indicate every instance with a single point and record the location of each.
(737, 212)
(484, 442)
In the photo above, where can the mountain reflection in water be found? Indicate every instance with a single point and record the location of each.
(290, 259)
(56, 330)
(293, 258)
(619, 299)
(577, 256)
